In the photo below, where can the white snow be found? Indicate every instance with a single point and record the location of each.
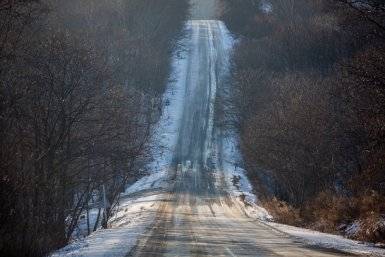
(138, 204)
(240, 186)
(166, 131)
(266, 6)
(235, 176)
(82, 228)
(352, 229)
(153, 181)
(126, 226)
(316, 238)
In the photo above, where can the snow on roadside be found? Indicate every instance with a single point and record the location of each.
(237, 181)
(126, 226)
(316, 238)
(138, 204)
(152, 181)
(241, 189)
(230, 157)
(166, 131)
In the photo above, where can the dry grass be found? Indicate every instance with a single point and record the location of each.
(283, 212)
(334, 214)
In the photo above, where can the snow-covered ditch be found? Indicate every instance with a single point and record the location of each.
(227, 155)
(316, 238)
(237, 182)
(128, 224)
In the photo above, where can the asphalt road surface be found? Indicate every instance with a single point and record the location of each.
(198, 217)
(204, 9)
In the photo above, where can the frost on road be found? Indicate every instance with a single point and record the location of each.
(189, 205)
(200, 215)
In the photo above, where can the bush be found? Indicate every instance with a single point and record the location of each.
(283, 212)
(337, 214)
(371, 228)
(327, 212)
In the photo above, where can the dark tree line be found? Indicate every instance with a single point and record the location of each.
(80, 86)
(308, 100)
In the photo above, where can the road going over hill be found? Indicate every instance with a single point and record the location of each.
(198, 217)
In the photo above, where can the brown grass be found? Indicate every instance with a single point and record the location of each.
(283, 212)
(333, 214)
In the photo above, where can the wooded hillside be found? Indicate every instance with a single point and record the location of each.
(309, 103)
(80, 86)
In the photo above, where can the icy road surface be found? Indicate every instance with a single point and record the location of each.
(189, 205)
(199, 215)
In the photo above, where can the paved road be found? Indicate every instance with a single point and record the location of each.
(198, 218)
(204, 9)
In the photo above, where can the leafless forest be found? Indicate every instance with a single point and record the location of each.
(309, 103)
(80, 85)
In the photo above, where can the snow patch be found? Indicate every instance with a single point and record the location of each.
(352, 229)
(152, 181)
(235, 176)
(127, 225)
(228, 154)
(315, 238)
(266, 6)
(138, 204)
(166, 131)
